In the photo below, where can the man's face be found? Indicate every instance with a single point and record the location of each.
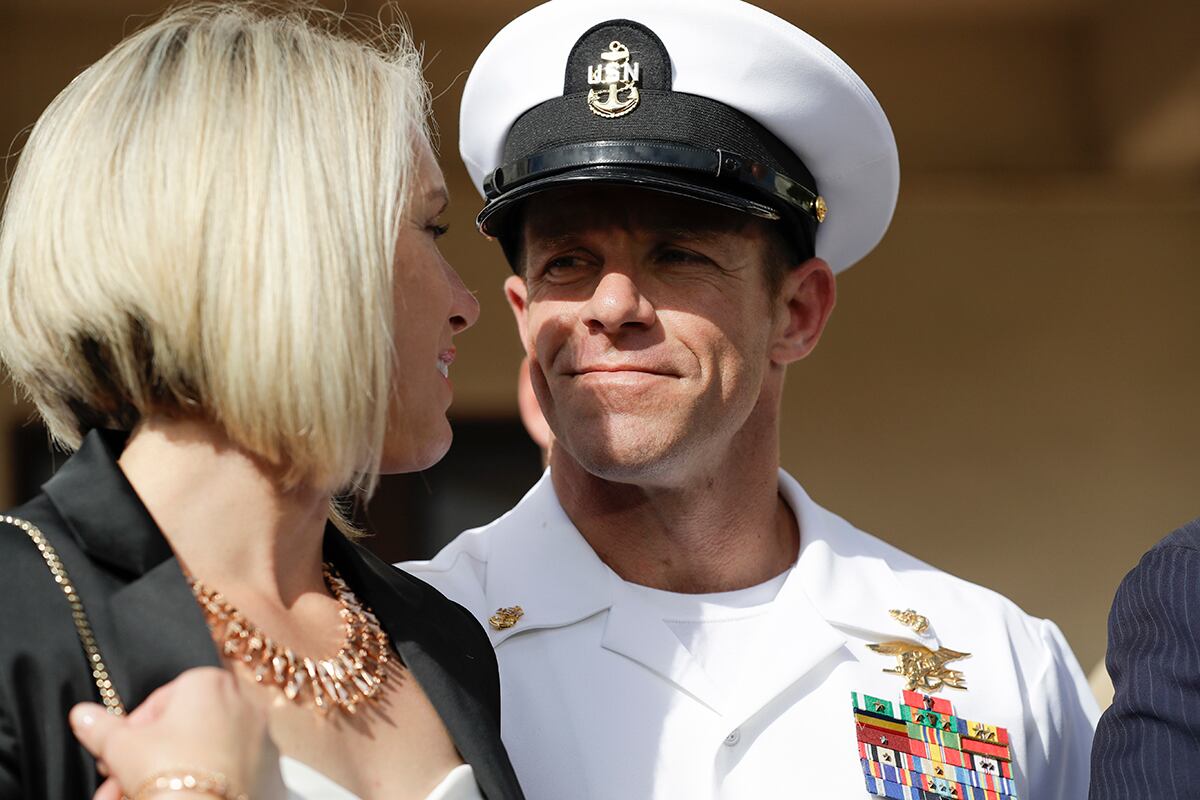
(651, 333)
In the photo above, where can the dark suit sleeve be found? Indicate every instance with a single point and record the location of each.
(1148, 742)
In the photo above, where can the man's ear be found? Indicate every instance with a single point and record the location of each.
(517, 295)
(806, 299)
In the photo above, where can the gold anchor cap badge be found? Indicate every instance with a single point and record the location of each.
(924, 670)
(620, 79)
(506, 617)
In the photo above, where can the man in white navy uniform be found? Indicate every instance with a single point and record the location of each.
(676, 184)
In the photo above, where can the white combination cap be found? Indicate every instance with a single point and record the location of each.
(717, 100)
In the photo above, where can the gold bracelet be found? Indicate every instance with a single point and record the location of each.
(189, 780)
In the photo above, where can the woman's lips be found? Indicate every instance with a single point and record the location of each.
(444, 360)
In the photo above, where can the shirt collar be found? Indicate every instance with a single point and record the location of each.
(538, 560)
(846, 574)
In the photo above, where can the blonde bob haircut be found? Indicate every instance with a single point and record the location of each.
(204, 224)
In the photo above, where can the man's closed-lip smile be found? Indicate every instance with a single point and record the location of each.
(614, 371)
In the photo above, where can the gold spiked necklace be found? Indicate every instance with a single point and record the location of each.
(350, 678)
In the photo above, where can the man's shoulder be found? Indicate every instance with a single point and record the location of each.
(1187, 537)
(459, 570)
(1164, 567)
(929, 580)
(1165, 572)
(965, 614)
(921, 580)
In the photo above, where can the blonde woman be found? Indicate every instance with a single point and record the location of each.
(219, 283)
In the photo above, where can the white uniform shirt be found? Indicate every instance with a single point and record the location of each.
(721, 631)
(601, 700)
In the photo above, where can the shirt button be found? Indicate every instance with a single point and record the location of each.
(733, 738)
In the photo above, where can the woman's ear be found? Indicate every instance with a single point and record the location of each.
(517, 295)
(806, 299)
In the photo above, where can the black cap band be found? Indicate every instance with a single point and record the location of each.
(725, 165)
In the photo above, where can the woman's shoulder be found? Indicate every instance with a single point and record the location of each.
(31, 538)
(43, 571)
(39, 512)
(410, 595)
(41, 563)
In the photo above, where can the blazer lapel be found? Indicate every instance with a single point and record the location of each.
(442, 666)
(159, 632)
(150, 629)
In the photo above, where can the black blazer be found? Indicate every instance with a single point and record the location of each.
(1148, 743)
(149, 629)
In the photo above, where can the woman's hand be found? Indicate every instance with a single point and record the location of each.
(198, 723)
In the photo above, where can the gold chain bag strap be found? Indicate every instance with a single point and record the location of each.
(108, 692)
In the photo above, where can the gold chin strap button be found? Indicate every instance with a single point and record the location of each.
(506, 617)
(820, 210)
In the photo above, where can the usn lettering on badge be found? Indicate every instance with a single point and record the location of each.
(619, 78)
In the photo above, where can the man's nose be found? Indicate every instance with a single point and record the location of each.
(617, 303)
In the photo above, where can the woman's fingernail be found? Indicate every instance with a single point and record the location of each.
(83, 716)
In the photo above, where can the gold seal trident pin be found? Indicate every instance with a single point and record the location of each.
(620, 77)
(923, 670)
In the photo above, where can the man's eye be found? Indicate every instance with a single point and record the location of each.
(563, 264)
(674, 255)
(438, 231)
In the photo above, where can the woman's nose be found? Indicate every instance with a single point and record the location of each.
(464, 307)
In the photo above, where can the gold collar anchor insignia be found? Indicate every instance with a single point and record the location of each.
(910, 619)
(506, 617)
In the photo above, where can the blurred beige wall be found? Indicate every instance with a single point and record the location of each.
(1008, 387)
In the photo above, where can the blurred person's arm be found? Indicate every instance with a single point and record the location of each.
(1148, 742)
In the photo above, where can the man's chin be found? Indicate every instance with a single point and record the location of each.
(624, 462)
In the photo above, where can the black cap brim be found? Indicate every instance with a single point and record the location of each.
(492, 219)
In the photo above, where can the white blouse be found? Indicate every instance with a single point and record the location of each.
(305, 783)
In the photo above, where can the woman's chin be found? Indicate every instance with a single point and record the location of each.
(414, 456)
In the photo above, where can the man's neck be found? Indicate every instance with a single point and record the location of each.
(723, 529)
